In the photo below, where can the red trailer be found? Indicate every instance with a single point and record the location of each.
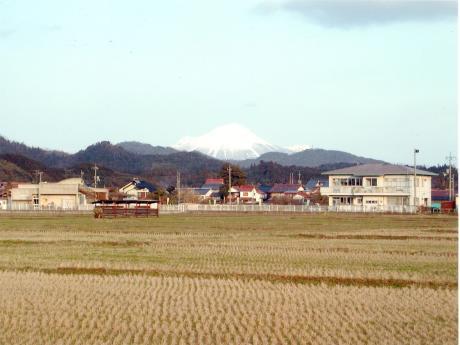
(447, 206)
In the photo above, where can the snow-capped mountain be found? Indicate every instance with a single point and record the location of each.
(228, 142)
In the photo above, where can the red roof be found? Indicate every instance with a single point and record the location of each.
(214, 181)
(246, 188)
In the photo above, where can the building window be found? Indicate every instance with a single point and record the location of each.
(350, 181)
(371, 181)
(344, 200)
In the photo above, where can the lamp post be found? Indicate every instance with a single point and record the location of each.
(415, 176)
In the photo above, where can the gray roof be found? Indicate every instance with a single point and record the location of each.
(201, 191)
(378, 169)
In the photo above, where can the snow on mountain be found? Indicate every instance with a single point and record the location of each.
(228, 142)
(299, 148)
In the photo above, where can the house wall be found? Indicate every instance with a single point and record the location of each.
(62, 201)
(252, 196)
(48, 195)
(132, 191)
(386, 185)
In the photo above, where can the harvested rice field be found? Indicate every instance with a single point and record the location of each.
(229, 279)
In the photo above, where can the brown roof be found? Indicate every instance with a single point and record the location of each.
(285, 188)
(214, 181)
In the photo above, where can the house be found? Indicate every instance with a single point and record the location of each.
(302, 197)
(91, 193)
(265, 190)
(234, 195)
(213, 183)
(378, 184)
(203, 193)
(285, 189)
(250, 194)
(316, 183)
(46, 195)
(138, 189)
(5, 188)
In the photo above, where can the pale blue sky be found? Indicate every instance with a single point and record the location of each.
(365, 77)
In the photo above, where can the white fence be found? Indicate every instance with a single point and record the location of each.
(183, 208)
(29, 207)
(191, 208)
(35, 210)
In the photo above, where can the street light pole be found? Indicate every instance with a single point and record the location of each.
(449, 171)
(415, 176)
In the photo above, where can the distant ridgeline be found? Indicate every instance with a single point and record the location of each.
(159, 165)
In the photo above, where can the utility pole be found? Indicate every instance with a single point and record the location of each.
(230, 183)
(299, 181)
(178, 186)
(415, 176)
(95, 168)
(451, 190)
(39, 174)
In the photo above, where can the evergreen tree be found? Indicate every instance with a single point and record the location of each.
(238, 175)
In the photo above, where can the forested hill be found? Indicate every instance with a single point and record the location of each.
(309, 158)
(47, 157)
(18, 162)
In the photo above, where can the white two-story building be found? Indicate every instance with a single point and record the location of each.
(383, 184)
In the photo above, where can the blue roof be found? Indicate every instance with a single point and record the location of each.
(213, 186)
(264, 188)
(311, 184)
(144, 184)
(201, 191)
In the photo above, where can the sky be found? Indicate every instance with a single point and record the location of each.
(373, 78)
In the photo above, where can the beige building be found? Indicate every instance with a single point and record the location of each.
(384, 185)
(46, 195)
(63, 195)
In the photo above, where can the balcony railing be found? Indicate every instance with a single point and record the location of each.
(359, 190)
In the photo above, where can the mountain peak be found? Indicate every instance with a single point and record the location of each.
(231, 141)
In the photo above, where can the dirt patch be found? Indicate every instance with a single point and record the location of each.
(441, 231)
(373, 237)
(121, 243)
(297, 279)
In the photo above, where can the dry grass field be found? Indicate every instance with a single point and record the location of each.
(229, 279)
